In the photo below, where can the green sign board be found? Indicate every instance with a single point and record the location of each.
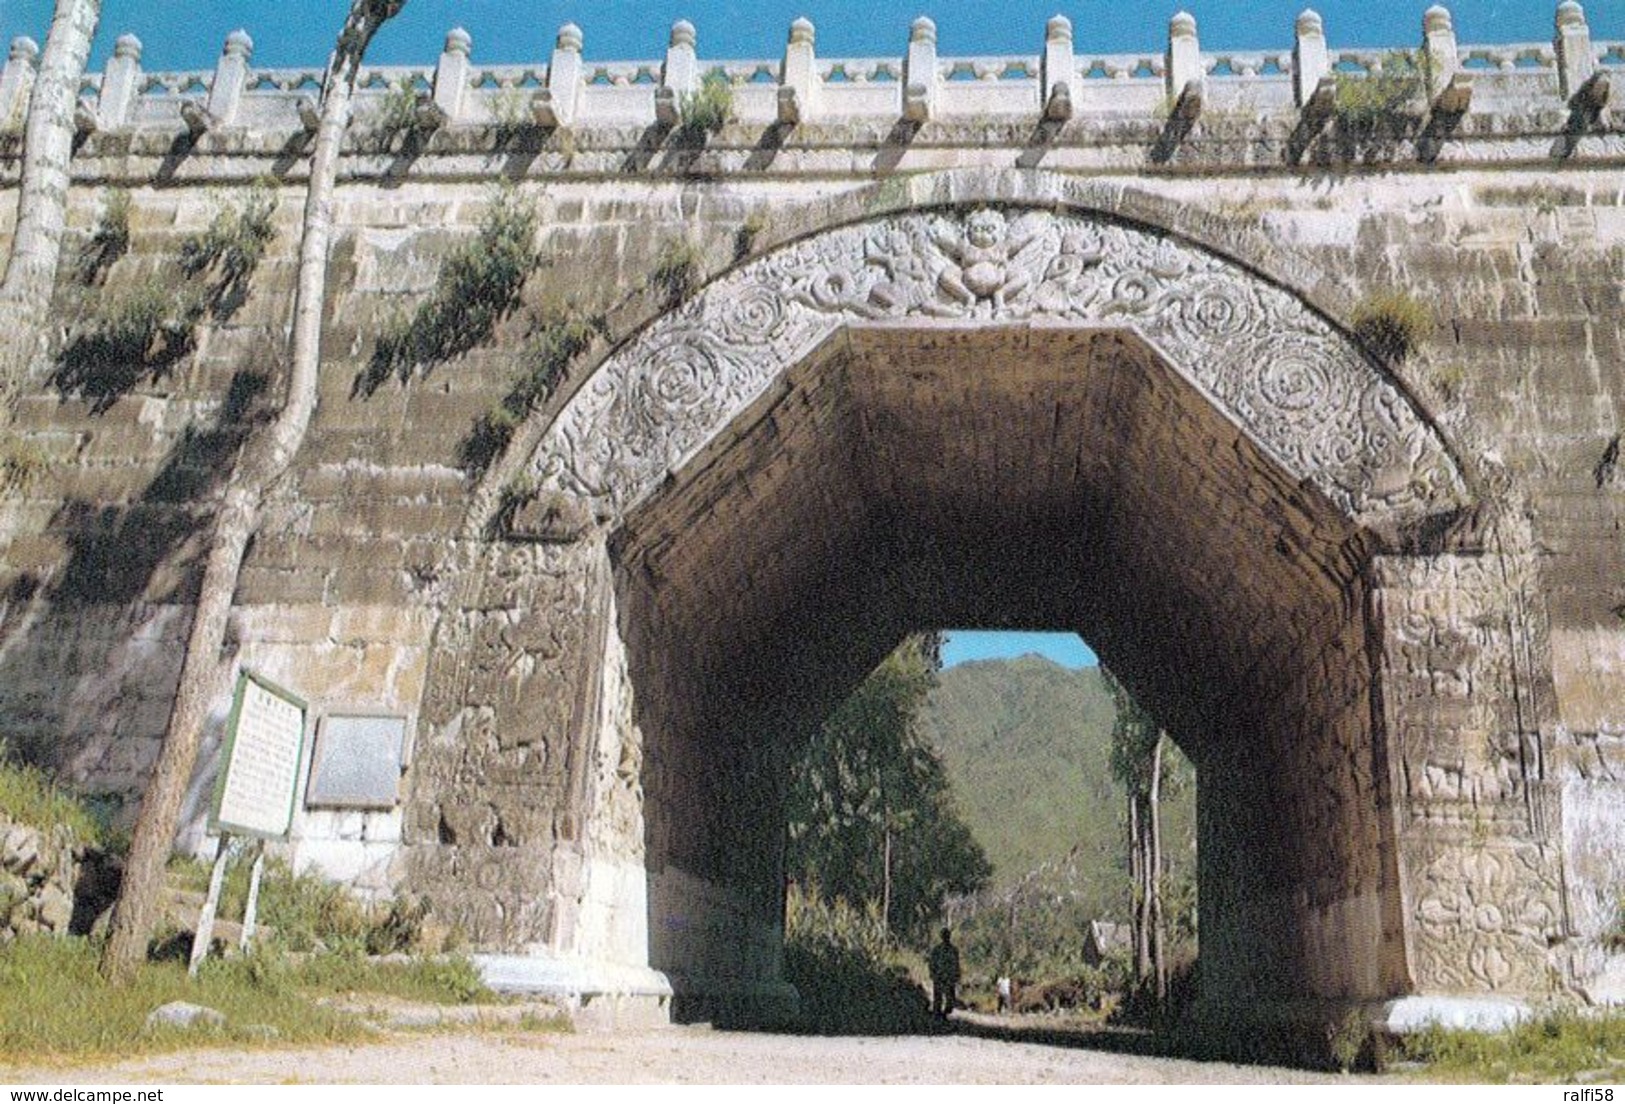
(259, 775)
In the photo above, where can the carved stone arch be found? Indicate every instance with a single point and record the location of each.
(1280, 370)
(535, 682)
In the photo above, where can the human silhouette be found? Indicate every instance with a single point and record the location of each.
(943, 963)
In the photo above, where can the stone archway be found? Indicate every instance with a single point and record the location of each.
(625, 737)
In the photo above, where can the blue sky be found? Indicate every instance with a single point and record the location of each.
(1064, 648)
(187, 34)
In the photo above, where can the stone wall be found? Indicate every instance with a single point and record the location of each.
(38, 873)
(1464, 681)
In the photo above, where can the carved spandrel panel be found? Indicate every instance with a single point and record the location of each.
(1305, 393)
(1484, 917)
(1452, 688)
(1482, 877)
(492, 772)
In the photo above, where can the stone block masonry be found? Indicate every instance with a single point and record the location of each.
(1061, 341)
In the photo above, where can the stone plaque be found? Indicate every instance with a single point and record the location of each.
(265, 737)
(358, 761)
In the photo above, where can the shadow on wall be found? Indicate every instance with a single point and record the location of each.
(90, 654)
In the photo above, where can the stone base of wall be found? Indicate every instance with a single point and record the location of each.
(39, 874)
(599, 995)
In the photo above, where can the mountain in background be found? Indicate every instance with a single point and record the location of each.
(1027, 746)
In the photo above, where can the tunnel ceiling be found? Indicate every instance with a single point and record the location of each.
(907, 478)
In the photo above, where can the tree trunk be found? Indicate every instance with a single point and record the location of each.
(1136, 853)
(885, 883)
(1159, 964)
(264, 461)
(42, 193)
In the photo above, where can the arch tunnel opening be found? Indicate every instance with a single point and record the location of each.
(993, 476)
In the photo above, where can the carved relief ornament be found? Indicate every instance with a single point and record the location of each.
(1301, 389)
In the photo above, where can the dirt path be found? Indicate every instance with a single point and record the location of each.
(695, 1055)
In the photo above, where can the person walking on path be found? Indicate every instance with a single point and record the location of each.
(943, 963)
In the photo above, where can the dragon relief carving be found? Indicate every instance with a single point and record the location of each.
(1305, 393)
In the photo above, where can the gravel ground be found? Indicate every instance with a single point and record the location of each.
(671, 1055)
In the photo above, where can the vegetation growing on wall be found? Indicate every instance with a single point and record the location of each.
(478, 286)
(1373, 111)
(559, 337)
(1392, 324)
(708, 108)
(231, 247)
(137, 330)
(677, 270)
(21, 465)
(109, 240)
(399, 115)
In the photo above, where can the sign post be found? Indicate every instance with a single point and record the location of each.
(256, 790)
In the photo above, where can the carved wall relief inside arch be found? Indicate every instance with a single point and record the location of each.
(1302, 390)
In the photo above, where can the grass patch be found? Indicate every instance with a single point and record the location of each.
(851, 980)
(139, 330)
(1374, 111)
(677, 270)
(709, 108)
(109, 240)
(478, 285)
(1392, 324)
(231, 247)
(53, 1003)
(557, 340)
(309, 914)
(28, 796)
(22, 463)
(1558, 1047)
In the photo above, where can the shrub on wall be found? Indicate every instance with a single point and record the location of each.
(710, 107)
(1392, 324)
(479, 284)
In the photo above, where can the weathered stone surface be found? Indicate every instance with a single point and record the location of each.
(1104, 389)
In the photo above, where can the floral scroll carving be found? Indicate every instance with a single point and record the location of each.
(1298, 386)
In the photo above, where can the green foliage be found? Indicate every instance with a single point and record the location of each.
(1347, 1038)
(478, 286)
(28, 796)
(677, 270)
(1373, 111)
(109, 240)
(1392, 324)
(307, 913)
(1135, 733)
(558, 339)
(235, 241)
(843, 966)
(54, 1003)
(21, 465)
(1558, 1047)
(398, 113)
(869, 778)
(710, 107)
(139, 330)
(749, 230)
(1027, 747)
(1373, 100)
(510, 112)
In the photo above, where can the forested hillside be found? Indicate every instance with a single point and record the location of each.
(1027, 746)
